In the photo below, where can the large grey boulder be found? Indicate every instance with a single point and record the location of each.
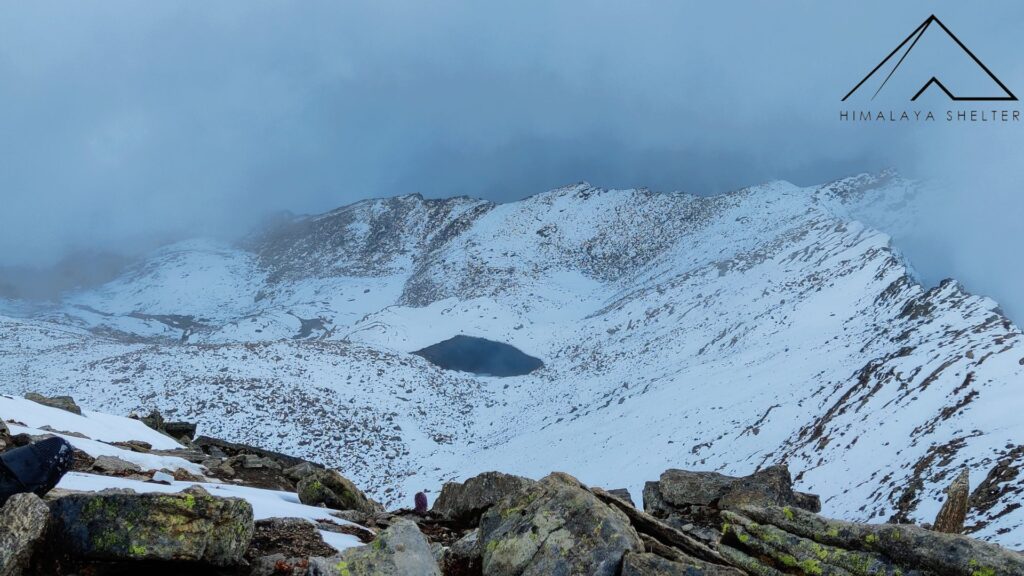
(771, 486)
(66, 403)
(466, 501)
(330, 489)
(401, 550)
(23, 521)
(120, 526)
(556, 526)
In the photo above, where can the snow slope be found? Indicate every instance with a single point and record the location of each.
(769, 324)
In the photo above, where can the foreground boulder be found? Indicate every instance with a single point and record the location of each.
(192, 526)
(23, 521)
(331, 489)
(555, 527)
(401, 550)
(648, 564)
(467, 501)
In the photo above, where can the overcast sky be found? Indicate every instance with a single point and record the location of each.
(123, 124)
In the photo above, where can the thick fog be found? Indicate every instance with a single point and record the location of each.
(124, 125)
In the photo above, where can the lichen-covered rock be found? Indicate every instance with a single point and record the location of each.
(464, 557)
(118, 526)
(401, 550)
(466, 501)
(647, 564)
(556, 526)
(23, 521)
(61, 402)
(905, 547)
(331, 489)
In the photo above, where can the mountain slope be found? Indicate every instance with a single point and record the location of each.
(723, 333)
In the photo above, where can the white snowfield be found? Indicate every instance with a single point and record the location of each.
(723, 333)
(103, 428)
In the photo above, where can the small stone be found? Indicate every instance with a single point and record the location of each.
(162, 477)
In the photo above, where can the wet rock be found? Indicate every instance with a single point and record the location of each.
(62, 402)
(954, 510)
(401, 550)
(465, 502)
(556, 526)
(118, 526)
(114, 466)
(23, 521)
(331, 489)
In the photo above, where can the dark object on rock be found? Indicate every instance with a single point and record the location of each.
(192, 526)
(624, 495)
(420, 501)
(480, 356)
(465, 502)
(23, 521)
(401, 550)
(954, 510)
(290, 537)
(37, 467)
(331, 489)
(61, 402)
(179, 430)
(556, 526)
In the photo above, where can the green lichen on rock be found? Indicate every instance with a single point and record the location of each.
(117, 526)
(556, 526)
(331, 489)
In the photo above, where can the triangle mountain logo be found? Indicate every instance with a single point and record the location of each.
(953, 69)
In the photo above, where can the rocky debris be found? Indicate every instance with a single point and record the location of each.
(62, 402)
(401, 550)
(114, 466)
(223, 448)
(330, 489)
(124, 526)
(289, 538)
(467, 501)
(556, 526)
(692, 500)
(954, 510)
(23, 521)
(796, 541)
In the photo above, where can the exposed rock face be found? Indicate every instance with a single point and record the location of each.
(464, 557)
(465, 502)
(62, 402)
(23, 521)
(686, 498)
(331, 489)
(190, 526)
(803, 543)
(954, 510)
(401, 550)
(555, 527)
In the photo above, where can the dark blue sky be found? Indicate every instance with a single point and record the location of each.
(128, 123)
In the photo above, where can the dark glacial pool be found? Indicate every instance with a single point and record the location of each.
(480, 356)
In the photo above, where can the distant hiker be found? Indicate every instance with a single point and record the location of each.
(37, 467)
(421, 504)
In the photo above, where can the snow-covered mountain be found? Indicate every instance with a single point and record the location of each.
(722, 333)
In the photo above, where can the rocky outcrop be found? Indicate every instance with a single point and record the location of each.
(465, 502)
(23, 521)
(648, 564)
(62, 402)
(796, 541)
(555, 527)
(401, 550)
(330, 489)
(693, 500)
(950, 518)
(190, 526)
